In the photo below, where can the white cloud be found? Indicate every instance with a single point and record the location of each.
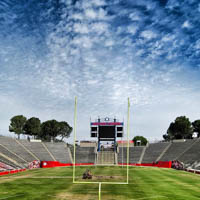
(134, 16)
(77, 16)
(148, 34)
(90, 13)
(186, 24)
(81, 28)
(99, 27)
(132, 29)
(99, 2)
(109, 43)
(92, 82)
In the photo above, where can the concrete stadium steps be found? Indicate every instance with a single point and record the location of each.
(9, 162)
(12, 156)
(106, 158)
(192, 154)
(134, 154)
(176, 149)
(153, 151)
(38, 149)
(84, 154)
(15, 147)
(60, 151)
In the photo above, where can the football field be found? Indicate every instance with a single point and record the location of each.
(144, 183)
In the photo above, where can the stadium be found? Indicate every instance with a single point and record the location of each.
(101, 52)
(92, 170)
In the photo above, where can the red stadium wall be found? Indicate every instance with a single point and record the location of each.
(11, 172)
(165, 164)
(162, 164)
(49, 164)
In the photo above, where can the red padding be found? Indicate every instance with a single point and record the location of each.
(11, 172)
(162, 164)
(49, 164)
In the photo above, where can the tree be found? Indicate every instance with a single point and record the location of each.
(17, 124)
(196, 126)
(140, 138)
(181, 128)
(49, 130)
(32, 127)
(65, 130)
(52, 129)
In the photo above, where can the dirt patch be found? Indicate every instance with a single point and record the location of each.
(67, 195)
(107, 178)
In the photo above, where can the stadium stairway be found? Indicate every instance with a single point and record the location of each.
(164, 151)
(28, 154)
(106, 158)
(45, 146)
(142, 155)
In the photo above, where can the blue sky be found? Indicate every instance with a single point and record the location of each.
(102, 52)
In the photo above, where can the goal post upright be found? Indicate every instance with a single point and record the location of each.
(75, 119)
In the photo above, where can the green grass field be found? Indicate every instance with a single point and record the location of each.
(144, 183)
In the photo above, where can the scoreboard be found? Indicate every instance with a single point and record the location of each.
(106, 128)
(106, 131)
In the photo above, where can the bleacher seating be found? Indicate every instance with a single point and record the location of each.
(60, 151)
(176, 149)
(14, 157)
(14, 147)
(8, 162)
(153, 151)
(4, 167)
(84, 154)
(18, 153)
(134, 154)
(37, 149)
(192, 154)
